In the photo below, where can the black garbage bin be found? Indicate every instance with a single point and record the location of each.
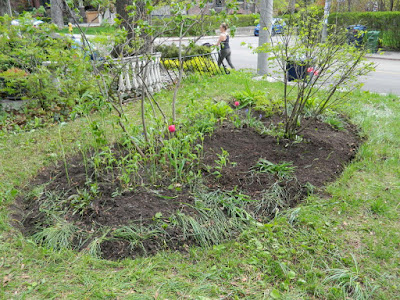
(355, 35)
(296, 70)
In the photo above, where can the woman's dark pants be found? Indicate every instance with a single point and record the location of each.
(225, 54)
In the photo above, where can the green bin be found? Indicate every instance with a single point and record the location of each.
(373, 41)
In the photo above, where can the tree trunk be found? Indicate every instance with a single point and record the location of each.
(36, 3)
(391, 5)
(292, 6)
(266, 10)
(56, 10)
(349, 5)
(129, 23)
(326, 16)
(5, 8)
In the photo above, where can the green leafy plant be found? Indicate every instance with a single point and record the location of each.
(221, 163)
(318, 68)
(282, 170)
(220, 109)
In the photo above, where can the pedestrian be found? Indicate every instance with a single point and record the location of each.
(223, 42)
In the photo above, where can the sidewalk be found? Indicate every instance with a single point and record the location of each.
(388, 55)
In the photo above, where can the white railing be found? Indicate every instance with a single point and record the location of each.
(138, 72)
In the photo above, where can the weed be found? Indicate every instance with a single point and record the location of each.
(218, 217)
(335, 123)
(94, 247)
(274, 199)
(379, 206)
(351, 283)
(220, 110)
(221, 163)
(282, 170)
(136, 234)
(58, 236)
(248, 97)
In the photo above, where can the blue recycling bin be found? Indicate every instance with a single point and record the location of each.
(355, 35)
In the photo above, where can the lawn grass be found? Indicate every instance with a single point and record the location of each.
(345, 244)
(90, 30)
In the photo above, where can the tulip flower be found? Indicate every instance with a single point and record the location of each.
(171, 128)
(316, 73)
(310, 69)
(236, 103)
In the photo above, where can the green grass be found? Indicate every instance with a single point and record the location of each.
(343, 246)
(90, 30)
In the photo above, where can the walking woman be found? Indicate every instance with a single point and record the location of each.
(223, 41)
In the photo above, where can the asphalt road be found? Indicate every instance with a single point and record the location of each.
(386, 78)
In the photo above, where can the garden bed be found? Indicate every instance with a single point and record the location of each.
(168, 215)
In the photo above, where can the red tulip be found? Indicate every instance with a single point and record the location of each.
(236, 103)
(171, 128)
(316, 73)
(310, 69)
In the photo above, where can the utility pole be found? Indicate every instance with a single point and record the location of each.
(266, 10)
(326, 16)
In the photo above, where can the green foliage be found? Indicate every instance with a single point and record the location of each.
(39, 66)
(222, 162)
(172, 51)
(387, 22)
(282, 170)
(303, 48)
(219, 216)
(199, 64)
(221, 110)
(350, 282)
(207, 27)
(59, 236)
(311, 240)
(260, 100)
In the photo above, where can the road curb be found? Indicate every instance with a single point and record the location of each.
(382, 57)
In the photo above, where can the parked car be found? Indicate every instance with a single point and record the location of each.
(35, 23)
(278, 26)
(88, 48)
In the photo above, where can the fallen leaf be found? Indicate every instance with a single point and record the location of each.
(6, 280)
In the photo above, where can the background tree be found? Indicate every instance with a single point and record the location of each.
(5, 7)
(292, 6)
(266, 11)
(56, 9)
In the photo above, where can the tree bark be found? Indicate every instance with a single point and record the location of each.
(56, 10)
(326, 16)
(5, 8)
(129, 23)
(292, 6)
(36, 3)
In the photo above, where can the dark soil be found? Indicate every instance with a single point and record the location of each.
(318, 159)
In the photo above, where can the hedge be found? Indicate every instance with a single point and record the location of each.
(387, 22)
